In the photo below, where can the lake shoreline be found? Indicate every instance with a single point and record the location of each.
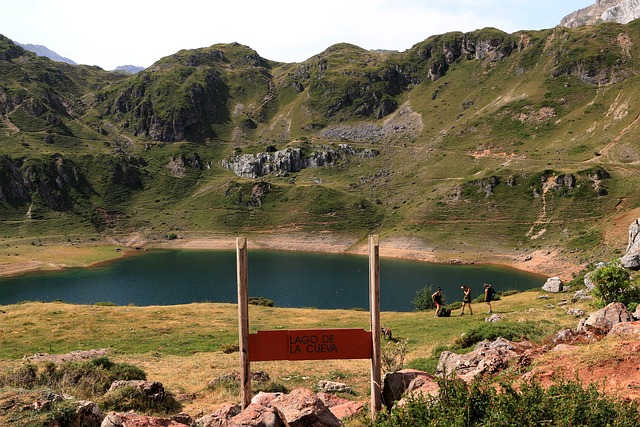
(544, 262)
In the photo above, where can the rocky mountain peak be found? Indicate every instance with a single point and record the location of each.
(620, 11)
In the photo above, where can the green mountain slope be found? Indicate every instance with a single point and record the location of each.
(481, 140)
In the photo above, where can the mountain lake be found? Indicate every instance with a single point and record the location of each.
(290, 279)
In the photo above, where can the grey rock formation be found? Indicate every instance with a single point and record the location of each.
(486, 358)
(396, 384)
(553, 284)
(621, 11)
(292, 160)
(587, 277)
(333, 387)
(631, 258)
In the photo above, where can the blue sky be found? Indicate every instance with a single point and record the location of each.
(139, 32)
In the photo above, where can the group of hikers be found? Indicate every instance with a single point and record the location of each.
(438, 300)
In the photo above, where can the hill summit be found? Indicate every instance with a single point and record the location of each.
(620, 11)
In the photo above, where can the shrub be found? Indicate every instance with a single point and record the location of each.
(83, 379)
(613, 284)
(422, 300)
(230, 348)
(393, 354)
(530, 404)
(261, 301)
(129, 398)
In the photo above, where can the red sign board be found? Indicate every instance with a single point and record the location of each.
(310, 344)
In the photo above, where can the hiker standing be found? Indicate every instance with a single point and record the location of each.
(437, 299)
(488, 295)
(466, 300)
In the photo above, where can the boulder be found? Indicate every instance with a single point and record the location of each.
(395, 384)
(259, 416)
(580, 295)
(153, 390)
(220, 417)
(636, 314)
(493, 318)
(339, 406)
(87, 414)
(302, 408)
(577, 312)
(421, 386)
(553, 284)
(264, 398)
(631, 258)
(333, 387)
(587, 277)
(626, 329)
(131, 419)
(347, 409)
(603, 320)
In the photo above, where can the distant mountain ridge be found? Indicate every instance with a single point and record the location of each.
(620, 11)
(46, 52)
(41, 50)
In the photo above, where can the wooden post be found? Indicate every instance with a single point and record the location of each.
(243, 321)
(374, 306)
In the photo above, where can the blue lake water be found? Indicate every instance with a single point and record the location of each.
(290, 279)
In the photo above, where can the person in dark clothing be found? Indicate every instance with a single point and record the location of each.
(437, 299)
(488, 295)
(466, 299)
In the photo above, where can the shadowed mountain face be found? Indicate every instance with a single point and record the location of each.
(531, 134)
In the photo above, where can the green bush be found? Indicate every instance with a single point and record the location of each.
(129, 398)
(230, 348)
(82, 379)
(564, 403)
(261, 301)
(613, 284)
(423, 301)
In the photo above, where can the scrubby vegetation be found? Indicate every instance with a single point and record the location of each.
(85, 380)
(565, 403)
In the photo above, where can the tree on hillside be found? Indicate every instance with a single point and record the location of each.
(613, 284)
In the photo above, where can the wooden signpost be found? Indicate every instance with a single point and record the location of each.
(309, 344)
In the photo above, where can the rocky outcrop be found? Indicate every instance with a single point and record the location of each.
(132, 419)
(289, 160)
(631, 258)
(604, 319)
(486, 358)
(402, 384)
(588, 281)
(620, 11)
(179, 164)
(302, 408)
(52, 180)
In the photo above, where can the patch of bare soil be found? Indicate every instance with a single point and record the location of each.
(614, 367)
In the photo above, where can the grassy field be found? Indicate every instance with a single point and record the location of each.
(182, 346)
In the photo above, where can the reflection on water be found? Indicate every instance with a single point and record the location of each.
(291, 279)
